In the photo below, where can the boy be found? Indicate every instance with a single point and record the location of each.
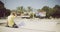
(10, 20)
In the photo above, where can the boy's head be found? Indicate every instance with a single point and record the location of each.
(13, 13)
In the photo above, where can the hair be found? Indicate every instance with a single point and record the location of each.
(13, 13)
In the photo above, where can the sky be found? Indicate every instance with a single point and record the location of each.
(36, 4)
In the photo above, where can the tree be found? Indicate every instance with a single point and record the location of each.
(57, 11)
(46, 8)
(20, 9)
(49, 11)
(29, 9)
(38, 10)
(1, 5)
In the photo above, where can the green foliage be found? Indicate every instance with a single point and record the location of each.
(20, 9)
(29, 9)
(49, 11)
(31, 15)
(46, 8)
(57, 11)
(1, 5)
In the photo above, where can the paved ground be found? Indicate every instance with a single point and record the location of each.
(32, 25)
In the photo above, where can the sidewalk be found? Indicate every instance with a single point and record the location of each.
(6, 29)
(33, 25)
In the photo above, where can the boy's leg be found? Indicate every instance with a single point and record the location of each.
(15, 26)
(7, 25)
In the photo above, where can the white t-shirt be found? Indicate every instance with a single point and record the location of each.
(11, 20)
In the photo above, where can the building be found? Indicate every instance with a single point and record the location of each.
(41, 14)
(3, 11)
